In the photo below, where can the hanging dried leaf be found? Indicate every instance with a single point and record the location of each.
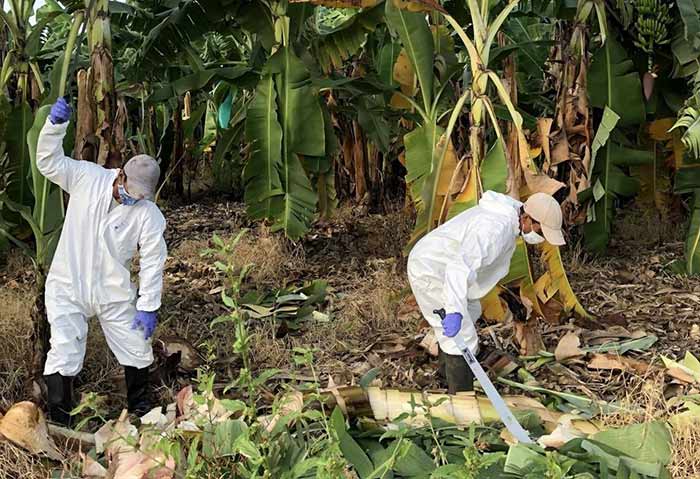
(544, 126)
(539, 183)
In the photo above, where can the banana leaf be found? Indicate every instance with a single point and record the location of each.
(385, 63)
(688, 10)
(303, 133)
(375, 126)
(609, 180)
(417, 40)
(692, 242)
(611, 183)
(18, 125)
(613, 81)
(333, 46)
(423, 174)
(559, 282)
(263, 183)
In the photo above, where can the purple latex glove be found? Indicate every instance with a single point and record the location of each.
(451, 324)
(147, 321)
(60, 111)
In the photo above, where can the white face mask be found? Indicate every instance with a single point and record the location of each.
(532, 238)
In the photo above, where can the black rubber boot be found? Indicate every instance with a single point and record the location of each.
(458, 374)
(138, 396)
(60, 398)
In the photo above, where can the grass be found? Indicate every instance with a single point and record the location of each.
(16, 463)
(15, 353)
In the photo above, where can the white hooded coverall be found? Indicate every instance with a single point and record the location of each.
(460, 261)
(90, 272)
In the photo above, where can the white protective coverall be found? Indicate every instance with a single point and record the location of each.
(90, 272)
(460, 261)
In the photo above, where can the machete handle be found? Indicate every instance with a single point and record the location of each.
(440, 312)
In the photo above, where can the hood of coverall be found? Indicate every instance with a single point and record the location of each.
(500, 203)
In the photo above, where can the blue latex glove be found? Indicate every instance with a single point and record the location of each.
(451, 324)
(60, 111)
(147, 321)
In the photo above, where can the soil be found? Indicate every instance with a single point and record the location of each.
(373, 322)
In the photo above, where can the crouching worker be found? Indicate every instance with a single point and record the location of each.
(459, 262)
(110, 215)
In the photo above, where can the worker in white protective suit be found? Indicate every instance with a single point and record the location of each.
(110, 215)
(459, 262)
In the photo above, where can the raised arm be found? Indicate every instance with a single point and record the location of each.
(50, 158)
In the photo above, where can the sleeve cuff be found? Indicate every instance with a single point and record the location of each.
(51, 127)
(148, 303)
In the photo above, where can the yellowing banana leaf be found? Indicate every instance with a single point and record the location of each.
(417, 40)
(405, 76)
(493, 308)
(559, 282)
(654, 184)
(419, 5)
(659, 129)
(432, 183)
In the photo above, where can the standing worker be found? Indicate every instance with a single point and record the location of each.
(459, 262)
(111, 213)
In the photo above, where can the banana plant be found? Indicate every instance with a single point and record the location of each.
(286, 128)
(21, 61)
(21, 69)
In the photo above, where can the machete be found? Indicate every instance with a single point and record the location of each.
(497, 401)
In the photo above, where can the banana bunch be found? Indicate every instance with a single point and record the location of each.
(651, 25)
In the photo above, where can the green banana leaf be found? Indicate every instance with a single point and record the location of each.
(494, 169)
(303, 133)
(333, 46)
(48, 212)
(198, 81)
(385, 63)
(18, 125)
(422, 156)
(613, 81)
(689, 120)
(494, 174)
(227, 170)
(609, 183)
(692, 242)
(374, 125)
(263, 183)
(688, 10)
(417, 40)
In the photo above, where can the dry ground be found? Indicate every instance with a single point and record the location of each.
(372, 322)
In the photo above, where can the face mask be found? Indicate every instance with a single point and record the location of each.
(124, 196)
(532, 238)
